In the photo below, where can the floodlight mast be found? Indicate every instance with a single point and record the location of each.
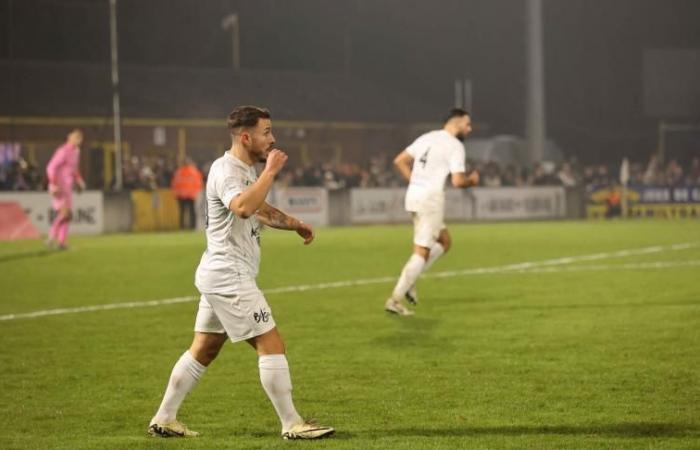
(115, 95)
(231, 22)
(536, 114)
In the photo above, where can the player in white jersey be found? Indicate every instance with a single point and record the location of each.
(231, 305)
(426, 163)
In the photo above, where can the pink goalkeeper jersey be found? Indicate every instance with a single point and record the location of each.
(63, 167)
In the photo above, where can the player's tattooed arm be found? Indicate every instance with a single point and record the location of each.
(273, 217)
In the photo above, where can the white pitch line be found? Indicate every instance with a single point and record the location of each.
(601, 267)
(545, 266)
(82, 309)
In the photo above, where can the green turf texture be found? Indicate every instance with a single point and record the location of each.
(599, 359)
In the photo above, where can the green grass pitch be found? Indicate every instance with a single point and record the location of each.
(601, 353)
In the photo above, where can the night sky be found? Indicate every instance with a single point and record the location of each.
(593, 51)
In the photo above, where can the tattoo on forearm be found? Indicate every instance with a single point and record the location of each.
(275, 218)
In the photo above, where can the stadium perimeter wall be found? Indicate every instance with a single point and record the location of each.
(98, 212)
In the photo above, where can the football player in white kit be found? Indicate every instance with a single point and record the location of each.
(231, 305)
(426, 163)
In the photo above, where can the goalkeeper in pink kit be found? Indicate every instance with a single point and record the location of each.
(62, 172)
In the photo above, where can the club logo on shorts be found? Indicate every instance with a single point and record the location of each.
(262, 315)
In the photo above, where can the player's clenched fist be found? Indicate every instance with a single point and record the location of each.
(275, 161)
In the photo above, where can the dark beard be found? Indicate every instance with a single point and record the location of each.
(261, 157)
(461, 137)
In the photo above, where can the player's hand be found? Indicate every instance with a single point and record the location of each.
(54, 189)
(275, 161)
(80, 185)
(306, 231)
(473, 178)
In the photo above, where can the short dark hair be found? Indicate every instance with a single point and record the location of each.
(246, 117)
(456, 112)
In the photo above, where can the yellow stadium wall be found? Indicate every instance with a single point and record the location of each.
(155, 210)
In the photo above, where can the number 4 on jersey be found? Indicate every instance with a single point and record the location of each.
(424, 159)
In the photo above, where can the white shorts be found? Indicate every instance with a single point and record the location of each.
(427, 227)
(241, 316)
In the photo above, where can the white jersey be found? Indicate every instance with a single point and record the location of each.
(436, 155)
(232, 256)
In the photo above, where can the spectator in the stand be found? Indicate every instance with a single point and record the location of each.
(636, 174)
(378, 173)
(653, 175)
(491, 176)
(522, 177)
(510, 176)
(330, 178)
(566, 176)
(163, 172)
(538, 175)
(130, 173)
(350, 175)
(603, 174)
(34, 177)
(674, 173)
(543, 175)
(187, 184)
(692, 177)
(589, 175)
(25, 176)
(147, 178)
(312, 176)
(285, 178)
(613, 204)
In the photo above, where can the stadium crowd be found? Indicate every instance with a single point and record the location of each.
(151, 173)
(379, 172)
(21, 175)
(157, 172)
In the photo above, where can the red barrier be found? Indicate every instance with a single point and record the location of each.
(14, 223)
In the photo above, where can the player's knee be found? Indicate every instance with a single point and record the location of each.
(270, 343)
(204, 355)
(272, 347)
(210, 354)
(205, 351)
(423, 252)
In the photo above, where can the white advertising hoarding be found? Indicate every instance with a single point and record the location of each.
(308, 204)
(460, 204)
(386, 205)
(378, 205)
(88, 217)
(512, 203)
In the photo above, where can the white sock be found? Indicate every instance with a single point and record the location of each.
(183, 379)
(436, 251)
(410, 273)
(275, 379)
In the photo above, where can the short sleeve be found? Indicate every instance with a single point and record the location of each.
(227, 188)
(417, 148)
(457, 157)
